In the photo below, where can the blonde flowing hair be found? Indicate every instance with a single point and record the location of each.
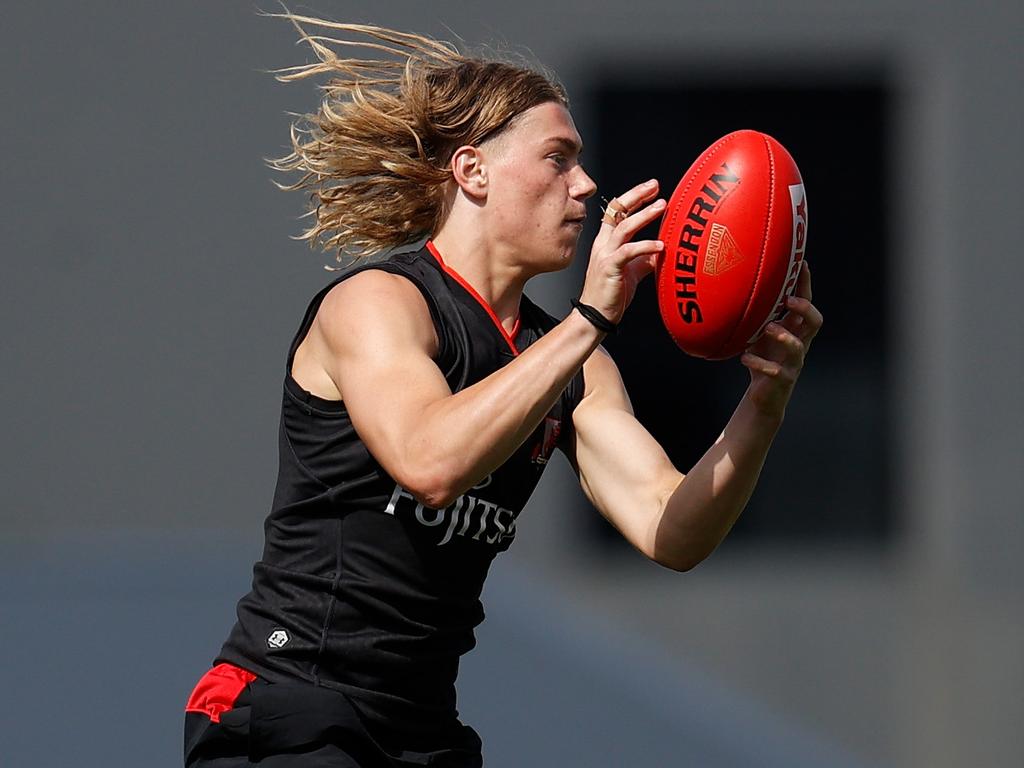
(376, 153)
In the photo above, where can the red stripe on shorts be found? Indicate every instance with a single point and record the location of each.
(218, 689)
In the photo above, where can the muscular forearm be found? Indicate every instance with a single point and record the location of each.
(459, 439)
(679, 521)
(699, 511)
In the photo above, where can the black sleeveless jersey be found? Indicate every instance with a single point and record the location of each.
(360, 587)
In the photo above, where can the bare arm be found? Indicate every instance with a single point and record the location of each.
(375, 341)
(379, 337)
(678, 520)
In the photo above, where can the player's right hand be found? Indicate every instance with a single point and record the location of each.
(617, 264)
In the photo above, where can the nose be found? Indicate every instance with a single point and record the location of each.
(582, 185)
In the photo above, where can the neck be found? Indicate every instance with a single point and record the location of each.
(488, 267)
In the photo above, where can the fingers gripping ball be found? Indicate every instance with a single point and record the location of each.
(734, 232)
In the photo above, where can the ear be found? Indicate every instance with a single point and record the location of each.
(469, 170)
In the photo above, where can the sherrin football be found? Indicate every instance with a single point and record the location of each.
(735, 231)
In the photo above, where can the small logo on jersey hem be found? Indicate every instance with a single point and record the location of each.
(278, 638)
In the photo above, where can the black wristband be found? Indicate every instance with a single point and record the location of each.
(598, 320)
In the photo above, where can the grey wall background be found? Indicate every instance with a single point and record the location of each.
(150, 289)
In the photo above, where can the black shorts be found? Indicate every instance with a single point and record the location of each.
(235, 720)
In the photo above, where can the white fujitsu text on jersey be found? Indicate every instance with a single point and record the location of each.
(468, 516)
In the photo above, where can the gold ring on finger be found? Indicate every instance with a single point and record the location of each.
(614, 212)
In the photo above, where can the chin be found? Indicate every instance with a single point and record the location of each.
(561, 258)
(569, 251)
(550, 257)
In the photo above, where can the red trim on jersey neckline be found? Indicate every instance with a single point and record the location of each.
(509, 337)
(217, 690)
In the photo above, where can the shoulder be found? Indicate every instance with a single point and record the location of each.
(372, 306)
(371, 285)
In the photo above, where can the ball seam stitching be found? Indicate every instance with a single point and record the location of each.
(764, 236)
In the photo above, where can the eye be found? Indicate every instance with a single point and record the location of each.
(559, 159)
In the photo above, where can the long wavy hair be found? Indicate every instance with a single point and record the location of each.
(376, 153)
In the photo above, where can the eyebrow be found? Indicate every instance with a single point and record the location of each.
(566, 143)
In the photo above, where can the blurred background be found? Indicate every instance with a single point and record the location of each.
(866, 610)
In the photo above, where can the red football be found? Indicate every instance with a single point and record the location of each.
(734, 233)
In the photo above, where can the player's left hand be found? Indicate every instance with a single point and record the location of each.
(776, 359)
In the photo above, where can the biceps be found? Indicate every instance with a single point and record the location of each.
(623, 470)
(378, 338)
(387, 393)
